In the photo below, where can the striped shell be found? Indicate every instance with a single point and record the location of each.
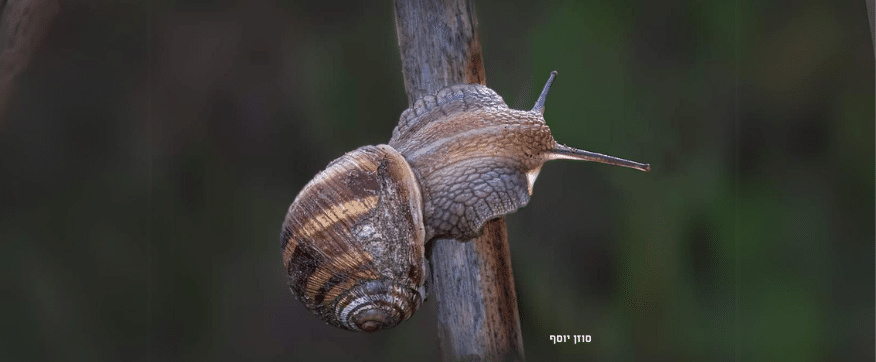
(353, 241)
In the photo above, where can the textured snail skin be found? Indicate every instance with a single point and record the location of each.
(476, 159)
(353, 241)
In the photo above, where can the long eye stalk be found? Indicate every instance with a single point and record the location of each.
(539, 104)
(569, 153)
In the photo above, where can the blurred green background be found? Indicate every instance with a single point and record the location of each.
(151, 150)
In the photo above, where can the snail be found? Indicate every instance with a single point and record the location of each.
(353, 240)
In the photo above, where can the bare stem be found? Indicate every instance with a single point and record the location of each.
(472, 281)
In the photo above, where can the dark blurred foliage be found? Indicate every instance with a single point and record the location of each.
(151, 150)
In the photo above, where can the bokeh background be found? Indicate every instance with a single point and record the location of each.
(151, 149)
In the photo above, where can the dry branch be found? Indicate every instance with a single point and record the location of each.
(472, 281)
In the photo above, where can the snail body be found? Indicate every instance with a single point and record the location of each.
(353, 240)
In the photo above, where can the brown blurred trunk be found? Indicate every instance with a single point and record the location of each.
(471, 281)
(23, 26)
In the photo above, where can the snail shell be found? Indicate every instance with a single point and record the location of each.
(353, 241)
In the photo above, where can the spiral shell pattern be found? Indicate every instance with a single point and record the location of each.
(353, 241)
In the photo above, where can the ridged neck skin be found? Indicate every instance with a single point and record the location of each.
(475, 158)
